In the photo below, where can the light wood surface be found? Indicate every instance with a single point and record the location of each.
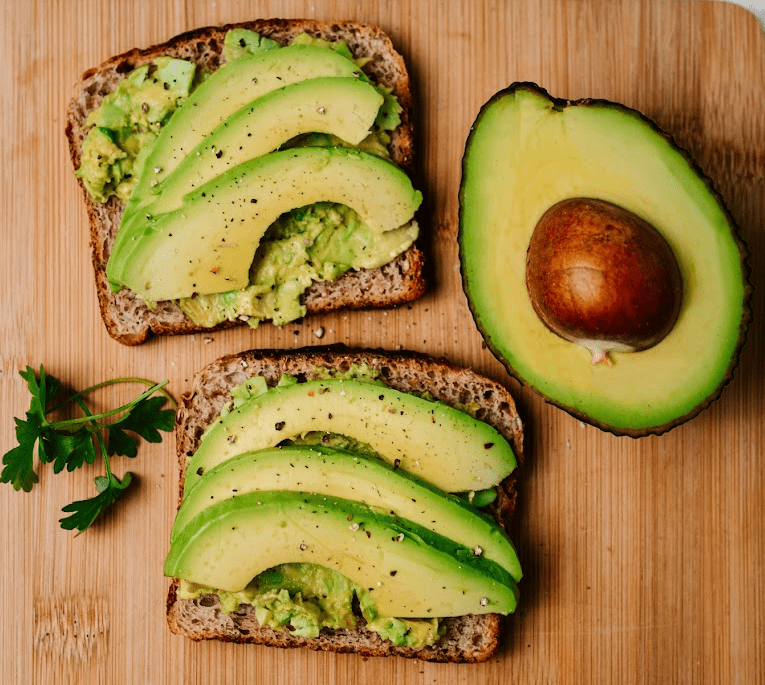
(643, 558)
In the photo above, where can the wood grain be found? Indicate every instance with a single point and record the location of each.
(643, 559)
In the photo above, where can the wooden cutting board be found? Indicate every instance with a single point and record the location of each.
(643, 558)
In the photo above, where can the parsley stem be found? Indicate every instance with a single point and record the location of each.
(157, 386)
(99, 436)
(92, 418)
(104, 455)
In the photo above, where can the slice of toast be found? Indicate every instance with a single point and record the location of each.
(127, 318)
(470, 638)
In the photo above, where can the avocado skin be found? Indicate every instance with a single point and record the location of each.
(216, 550)
(495, 346)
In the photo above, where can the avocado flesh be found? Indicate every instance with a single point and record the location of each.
(433, 441)
(525, 153)
(229, 89)
(409, 571)
(334, 473)
(343, 107)
(207, 245)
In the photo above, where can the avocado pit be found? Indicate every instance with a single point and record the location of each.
(602, 277)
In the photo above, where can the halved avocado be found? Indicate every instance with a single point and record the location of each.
(526, 153)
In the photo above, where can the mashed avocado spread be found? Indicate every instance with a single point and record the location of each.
(305, 598)
(313, 243)
(127, 123)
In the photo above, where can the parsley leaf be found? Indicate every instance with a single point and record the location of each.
(85, 511)
(19, 462)
(70, 449)
(145, 419)
(72, 443)
(19, 470)
(42, 392)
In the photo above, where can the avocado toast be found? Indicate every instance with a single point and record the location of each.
(315, 257)
(342, 477)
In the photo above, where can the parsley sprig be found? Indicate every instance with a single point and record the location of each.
(72, 443)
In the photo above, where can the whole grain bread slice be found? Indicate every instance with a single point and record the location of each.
(470, 638)
(126, 317)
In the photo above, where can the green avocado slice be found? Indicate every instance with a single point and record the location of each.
(340, 106)
(230, 88)
(207, 245)
(442, 445)
(528, 151)
(337, 473)
(409, 571)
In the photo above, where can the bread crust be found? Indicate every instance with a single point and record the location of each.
(471, 638)
(126, 317)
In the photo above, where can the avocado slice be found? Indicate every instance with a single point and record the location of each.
(227, 90)
(528, 151)
(207, 245)
(343, 107)
(409, 571)
(337, 473)
(442, 445)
